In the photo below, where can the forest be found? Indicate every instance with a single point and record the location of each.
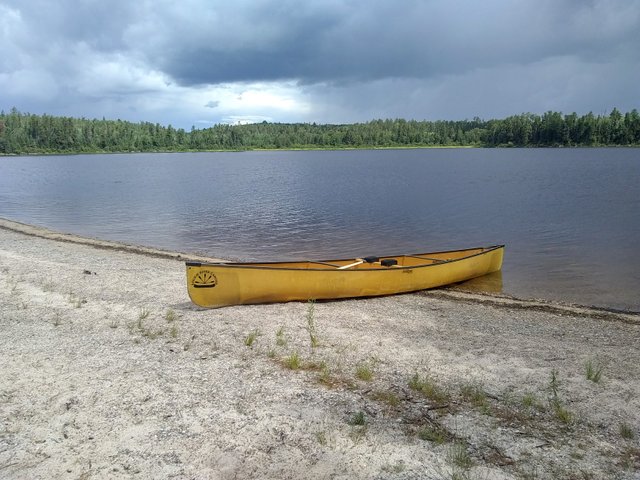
(24, 133)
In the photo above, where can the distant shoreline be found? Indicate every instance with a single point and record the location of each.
(316, 149)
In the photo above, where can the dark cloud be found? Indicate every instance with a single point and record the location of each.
(371, 40)
(339, 60)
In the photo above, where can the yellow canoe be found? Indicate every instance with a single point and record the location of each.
(219, 284)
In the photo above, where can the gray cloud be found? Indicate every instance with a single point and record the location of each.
(371, 40)
(329, 60)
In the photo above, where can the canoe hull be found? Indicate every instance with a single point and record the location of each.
(216, 285)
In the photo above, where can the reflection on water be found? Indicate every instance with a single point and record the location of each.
(569, 217)
(490, 283)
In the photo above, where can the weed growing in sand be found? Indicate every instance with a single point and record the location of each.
(364, 372)
(387, 397)
(251, 338)
(630, 458)
(626, 431)
(398, 467)
(459, 457)
(74, 300)
(475, 395)
(12, 283)
(530, 404)
(358, 419)
(170, 315)
(293, 361)
(554, 384)
(322, 438)
(593, 370)
(187, 346)
(173, 332)
(78, 302)
(114, 323)
(142, 314)
(48, 286)
(555, 402)
(325, 377)
(428, 387)
(281, 340)
(529, 401)
(433, 434)
(311, 324)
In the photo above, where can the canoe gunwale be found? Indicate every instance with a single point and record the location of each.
(330, 263)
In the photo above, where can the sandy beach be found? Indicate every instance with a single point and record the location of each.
(109, 371)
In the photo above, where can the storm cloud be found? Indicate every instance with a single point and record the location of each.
(199, 62)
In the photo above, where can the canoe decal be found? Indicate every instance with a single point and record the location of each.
(204, 279)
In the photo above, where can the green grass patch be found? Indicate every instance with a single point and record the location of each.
(170, 315)
(293, 361)
(364, 372)
(311, 324)
(476, 396)
(458, 456)
(626, 431)
(386, 396)
(430, 433)
(358, 419)
(250, 339)
(281, 340)
(429, 388)
(593, 370)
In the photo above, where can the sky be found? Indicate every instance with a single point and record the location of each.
(196, 63)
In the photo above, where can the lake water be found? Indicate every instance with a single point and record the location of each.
(570, 217)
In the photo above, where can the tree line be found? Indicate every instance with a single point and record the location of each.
(24, 133)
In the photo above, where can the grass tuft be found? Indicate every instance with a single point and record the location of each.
(626, 431)
(386, 396)
(364, 372)
(170, 315)
(358, 419)
(174, 331)
(560, 411)
(593, 370)
(251, 338)
(311, 324)
(432, 434)
(459, 457)
(475, 395)
(293, 361)
(281, 340)
(428, 387)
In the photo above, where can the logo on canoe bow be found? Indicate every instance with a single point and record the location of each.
(204, 279)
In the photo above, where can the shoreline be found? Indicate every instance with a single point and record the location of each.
(109, 371)
(462, 294)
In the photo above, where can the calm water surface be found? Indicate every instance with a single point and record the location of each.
(570, 217)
